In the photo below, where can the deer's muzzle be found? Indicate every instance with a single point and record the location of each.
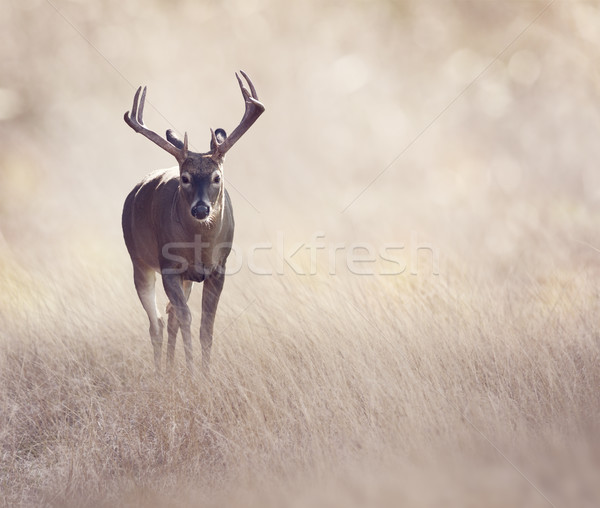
(200, 211)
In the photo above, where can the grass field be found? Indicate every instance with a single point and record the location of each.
(460, 136)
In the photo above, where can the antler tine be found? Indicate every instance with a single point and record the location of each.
(254, 108)
(135, 104)
(136, 122)
(245, 92)
(252, 89)
(140, 114)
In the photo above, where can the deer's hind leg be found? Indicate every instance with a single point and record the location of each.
(145, 281)
(173, 325)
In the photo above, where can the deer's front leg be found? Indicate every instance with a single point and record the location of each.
(173, 285)
(173, 326)
(213, 285)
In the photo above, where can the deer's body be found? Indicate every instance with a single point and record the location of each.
(179, 223)
(156, 201)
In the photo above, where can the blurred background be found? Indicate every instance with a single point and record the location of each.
(472, 124)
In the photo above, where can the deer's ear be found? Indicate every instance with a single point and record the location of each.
(220, 136)
(174, 139)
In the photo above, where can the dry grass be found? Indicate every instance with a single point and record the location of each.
(358, 401)
(476, 386)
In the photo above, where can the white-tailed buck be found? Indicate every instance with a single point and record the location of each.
(179, 222)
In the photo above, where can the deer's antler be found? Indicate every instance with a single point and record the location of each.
(254, 108)
(136, 122)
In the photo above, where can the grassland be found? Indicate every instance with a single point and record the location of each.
(470, 378)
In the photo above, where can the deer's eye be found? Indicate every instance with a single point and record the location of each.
(185, 179)
(217, 179)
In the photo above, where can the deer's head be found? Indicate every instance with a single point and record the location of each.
(200, 174)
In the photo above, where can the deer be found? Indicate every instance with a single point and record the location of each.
(178, 222)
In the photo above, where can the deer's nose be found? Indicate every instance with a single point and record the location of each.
(200, 211)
